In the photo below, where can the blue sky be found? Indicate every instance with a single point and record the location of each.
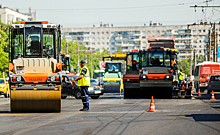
(86, 13)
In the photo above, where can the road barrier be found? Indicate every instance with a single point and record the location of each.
(213, 96)
(152, 107)
(199, 94)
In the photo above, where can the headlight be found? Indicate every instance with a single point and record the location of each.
(19, 78)
(52, 78)
(144, 76)
(167, 77)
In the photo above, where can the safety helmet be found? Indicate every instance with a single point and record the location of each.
(181, 69)
(83, 61)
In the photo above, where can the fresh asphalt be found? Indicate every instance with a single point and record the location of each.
(111, 114)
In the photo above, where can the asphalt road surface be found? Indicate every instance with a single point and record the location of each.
(113, 115)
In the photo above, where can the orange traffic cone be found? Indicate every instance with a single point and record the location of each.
(199, 94)
(213, 96)
(152, 107)
(186, 85)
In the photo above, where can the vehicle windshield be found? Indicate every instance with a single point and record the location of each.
(215, 78)
(2, 81)
(33, 41)
(132, 64)
(93, 81)
(113, 67)
(154, 58)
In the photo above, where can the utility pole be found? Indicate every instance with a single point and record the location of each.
(215, 45)
(78, 58)
(194, 55)
(85, 54)
(91, 63)
(66, 48)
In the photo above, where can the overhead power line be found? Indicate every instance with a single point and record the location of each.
(119, 8)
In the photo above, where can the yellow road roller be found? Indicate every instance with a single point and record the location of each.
(35, 68)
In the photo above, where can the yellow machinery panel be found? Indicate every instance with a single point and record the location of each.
(35, 101)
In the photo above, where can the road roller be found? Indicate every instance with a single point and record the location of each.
(35, 70)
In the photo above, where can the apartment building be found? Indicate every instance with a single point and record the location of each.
(187, 37)
(8, 16)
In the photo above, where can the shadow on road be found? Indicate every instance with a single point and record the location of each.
(205, 117)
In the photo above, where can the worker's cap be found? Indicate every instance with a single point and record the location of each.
(83, 62)
(181, 69)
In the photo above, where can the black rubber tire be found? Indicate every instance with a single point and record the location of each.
(63, 97)
(208, 92)
(94, 97)
(181, 96)
(6, 95)
(77, 94)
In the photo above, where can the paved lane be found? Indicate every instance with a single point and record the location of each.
(111, 114)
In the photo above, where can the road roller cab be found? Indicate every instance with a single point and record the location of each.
(34, 68)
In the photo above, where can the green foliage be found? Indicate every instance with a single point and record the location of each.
(84, 54)
(185, 64)
(119, 50)
(3, 54)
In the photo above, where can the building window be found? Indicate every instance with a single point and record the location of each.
(143, 37)
(152, 31)
(200, 46)
(103, 43)
(112, 32)
(107, 32)
(113, 43)
(98, 38)
(107, 37)
(98, 33)
(86, 33)
(143, 32)
(93, 33)
(103, 38)
(136, 37)
(158, 32)
(107, 48)
(199, 30)
(200, 51)
(103, 33)
(148, 32)
(203, 30)
(107, 43)
(98, 43)
(169, 31)
(93, 38)
(113, 48)
(144, 42)
(93, 43)
(137, 32)
(194, 31)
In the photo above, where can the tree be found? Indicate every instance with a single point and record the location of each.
(119, 50)
(185, 64)
(3, 55)
(83, 55)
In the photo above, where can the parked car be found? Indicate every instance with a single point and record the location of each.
(4, 88)
(94, 91)
(94, 82)
(68, 89)
(214, 83)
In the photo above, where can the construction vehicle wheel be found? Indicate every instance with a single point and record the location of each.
(77, 94)
(6, 95)
(181, 94)
(35, 101)
(63, 97)
(94, 97)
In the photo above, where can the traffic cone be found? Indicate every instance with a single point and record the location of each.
(199, 94)
(152, 107)
(186, 85)
(183, 86)
(213, 96)
(192, 91)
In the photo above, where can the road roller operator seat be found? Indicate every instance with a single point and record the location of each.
(35, 45)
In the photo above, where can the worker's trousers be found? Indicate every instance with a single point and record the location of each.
(85, 97)
(180, 84)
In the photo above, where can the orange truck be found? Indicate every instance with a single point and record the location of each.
(35, 68)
